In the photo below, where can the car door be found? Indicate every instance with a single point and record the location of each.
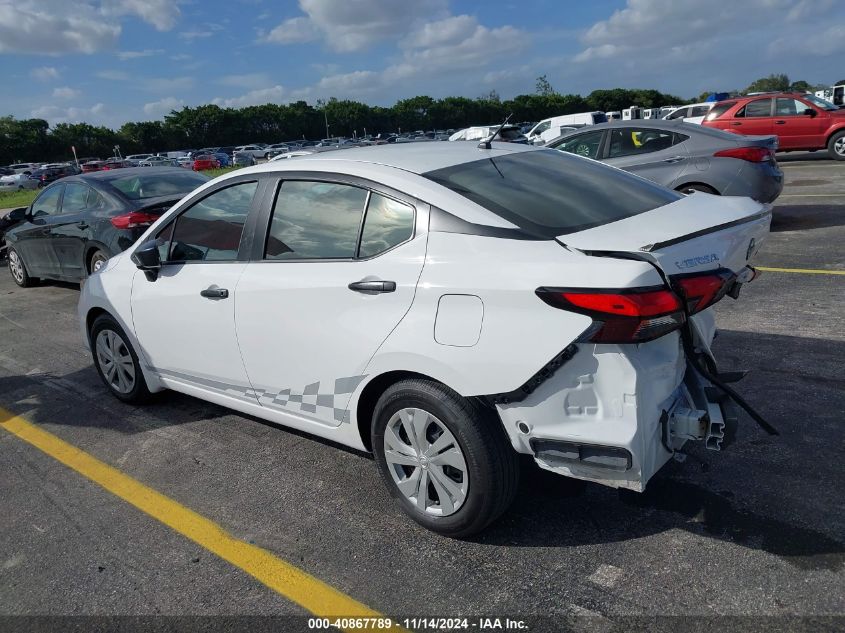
(795, 129)
(70, 230)
(184, 318)
(32, 239)
(754, 118)
(323, 293)
(658, 155)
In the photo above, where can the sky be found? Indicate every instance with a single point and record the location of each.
(106, 62)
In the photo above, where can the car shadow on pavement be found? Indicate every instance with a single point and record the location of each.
(801, 217)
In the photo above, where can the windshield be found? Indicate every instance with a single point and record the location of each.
(142, 186)
(549, 193)
(824, 104)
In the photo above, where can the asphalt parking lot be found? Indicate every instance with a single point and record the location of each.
(756, 533)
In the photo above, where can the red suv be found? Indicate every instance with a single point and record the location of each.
(800, 121)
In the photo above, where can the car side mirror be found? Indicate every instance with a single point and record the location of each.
(810, 112)
(147, 258)
(18, 215)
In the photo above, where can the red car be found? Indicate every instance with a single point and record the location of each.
(800, 121)
(94, 165)
(205, 162)
(113, 163)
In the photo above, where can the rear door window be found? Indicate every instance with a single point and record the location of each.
(548, 193)
(756, 109)
(630, 141)
(76, 197)
(315, 220)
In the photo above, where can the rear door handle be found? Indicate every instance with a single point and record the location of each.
(674, 159)
(780, 122)
(377, 286)
(214, 293)
(82, 225)
(736, 123)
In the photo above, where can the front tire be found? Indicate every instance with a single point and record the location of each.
(836, 146)
(18, 270)
(445, 459)
(116, 361)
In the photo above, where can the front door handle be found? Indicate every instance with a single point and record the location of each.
(780, 122)
(674, 159)
(736, 124)
(82, 225)
(214, 293)
(375, 286)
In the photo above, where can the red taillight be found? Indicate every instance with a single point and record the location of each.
(133, 220)
(702, 291)
(623, 316)
(751, 154)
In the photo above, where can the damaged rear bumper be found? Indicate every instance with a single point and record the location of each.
(615, 414)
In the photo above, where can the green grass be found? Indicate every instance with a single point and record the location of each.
(15, 199)
(213, 173)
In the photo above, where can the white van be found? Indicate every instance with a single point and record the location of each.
(547, 129)
(632, 113)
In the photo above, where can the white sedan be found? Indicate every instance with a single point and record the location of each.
(446, 306)
(17, 182)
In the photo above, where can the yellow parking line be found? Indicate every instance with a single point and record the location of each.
(805, 271)
(291, 582)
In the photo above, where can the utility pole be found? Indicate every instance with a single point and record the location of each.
(325, 116)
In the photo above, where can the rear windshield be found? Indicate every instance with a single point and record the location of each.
(142, 186)
(599, 118)
(548, 193)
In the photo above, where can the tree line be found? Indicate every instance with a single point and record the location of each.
(212, 125)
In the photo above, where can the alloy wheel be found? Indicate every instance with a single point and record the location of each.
(16, 266)
(839, 146)
(115, 361)
(426, 462)
(97, 262)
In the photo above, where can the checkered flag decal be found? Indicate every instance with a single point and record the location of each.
(311, 400)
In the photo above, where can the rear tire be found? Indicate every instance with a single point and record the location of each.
(454, 446)
(96, 261)
(116, 361)
(836, 146)
(18, 270)
(697, 187)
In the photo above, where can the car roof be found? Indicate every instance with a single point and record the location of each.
(417, 158)
(114, 174)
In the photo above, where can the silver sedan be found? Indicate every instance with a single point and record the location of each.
(683, 156)
(17, 182)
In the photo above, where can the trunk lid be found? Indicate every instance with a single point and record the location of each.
(697, 233)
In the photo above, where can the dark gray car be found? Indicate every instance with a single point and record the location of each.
(683, 156)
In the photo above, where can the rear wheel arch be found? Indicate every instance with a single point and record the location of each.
(698, 186)
(374, 389)
(832, 138)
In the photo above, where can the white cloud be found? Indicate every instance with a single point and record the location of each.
(54, 26)
(162, 14)
(353, 25)
(147, 52)
(678, 28)
(442, 49)
(274, 94)
(65, 92)
(158, 109)
(293, 31)
(55, 114)
(44, 73)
